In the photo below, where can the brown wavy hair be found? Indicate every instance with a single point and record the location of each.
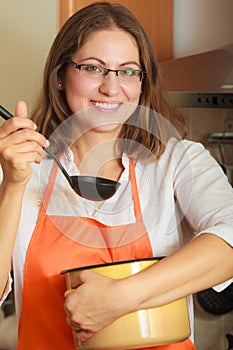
(144, 129)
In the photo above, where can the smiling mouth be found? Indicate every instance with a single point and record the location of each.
(106, 105)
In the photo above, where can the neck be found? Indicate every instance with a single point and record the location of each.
(98, 158)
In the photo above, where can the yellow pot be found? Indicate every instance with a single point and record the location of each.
(143, 328)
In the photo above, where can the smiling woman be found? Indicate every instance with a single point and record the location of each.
(103, 110)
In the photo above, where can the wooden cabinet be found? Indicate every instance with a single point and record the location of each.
(156, 17)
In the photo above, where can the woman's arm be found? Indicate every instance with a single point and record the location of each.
(200, 264)
(20, 145)
(99, 301)
(10, 210)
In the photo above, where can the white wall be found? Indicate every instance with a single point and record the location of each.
(27, 29)
(200, 25)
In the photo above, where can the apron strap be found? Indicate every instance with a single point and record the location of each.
(135, 196)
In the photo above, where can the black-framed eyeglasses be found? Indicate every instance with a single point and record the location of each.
(99, 72)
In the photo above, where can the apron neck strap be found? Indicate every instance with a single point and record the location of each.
(136, 201)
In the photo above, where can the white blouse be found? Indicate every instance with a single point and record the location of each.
(182, 195)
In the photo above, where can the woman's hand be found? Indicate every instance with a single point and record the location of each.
(20, 145)
(97, 302)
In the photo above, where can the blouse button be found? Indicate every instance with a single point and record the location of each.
(95, 213)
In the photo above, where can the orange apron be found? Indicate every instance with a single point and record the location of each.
(43, 323)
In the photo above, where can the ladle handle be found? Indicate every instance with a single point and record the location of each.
(7, 115)
(59, 165)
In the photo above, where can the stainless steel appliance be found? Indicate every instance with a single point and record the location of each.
(202, 80)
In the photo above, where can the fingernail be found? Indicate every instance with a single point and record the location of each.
(35, 126)
(47, 143)
(68, 292)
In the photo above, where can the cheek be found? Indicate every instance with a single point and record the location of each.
(77, 94)
(77, 88)
(133, 92)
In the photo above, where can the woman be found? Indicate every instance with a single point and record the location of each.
(100, 69)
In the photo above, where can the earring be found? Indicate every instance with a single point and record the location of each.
(59, 85)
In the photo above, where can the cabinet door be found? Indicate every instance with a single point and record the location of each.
(156, 17)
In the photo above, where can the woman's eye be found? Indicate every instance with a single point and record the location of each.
(128, 72)
(94, 69)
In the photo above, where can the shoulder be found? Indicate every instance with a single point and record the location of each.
(179, 152)
(183, 160)
(186, 153)
(175, 146)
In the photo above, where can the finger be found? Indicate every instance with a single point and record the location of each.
(77, 329)
(19, 161)
(14, 124)
(26, 147)
(26, 135)
(82, 334)
(84, 275)
(21, 109)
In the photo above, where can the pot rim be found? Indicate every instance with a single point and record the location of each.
(109, 264)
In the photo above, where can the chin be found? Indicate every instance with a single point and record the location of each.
(108, 128)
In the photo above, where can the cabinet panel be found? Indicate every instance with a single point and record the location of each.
(156, 17)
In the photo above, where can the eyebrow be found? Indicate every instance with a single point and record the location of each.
(104, 64)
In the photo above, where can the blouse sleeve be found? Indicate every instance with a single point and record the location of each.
(204, 193)
(8, 287)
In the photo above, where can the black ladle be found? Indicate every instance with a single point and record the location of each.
(89, 187)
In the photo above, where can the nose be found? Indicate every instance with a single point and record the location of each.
(110, 86)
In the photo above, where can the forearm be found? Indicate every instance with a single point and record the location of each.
(10, 211)
(202, 263)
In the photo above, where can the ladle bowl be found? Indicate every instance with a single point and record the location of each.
(94, 188)
(88, 187)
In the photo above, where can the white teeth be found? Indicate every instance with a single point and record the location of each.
(106, 105)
